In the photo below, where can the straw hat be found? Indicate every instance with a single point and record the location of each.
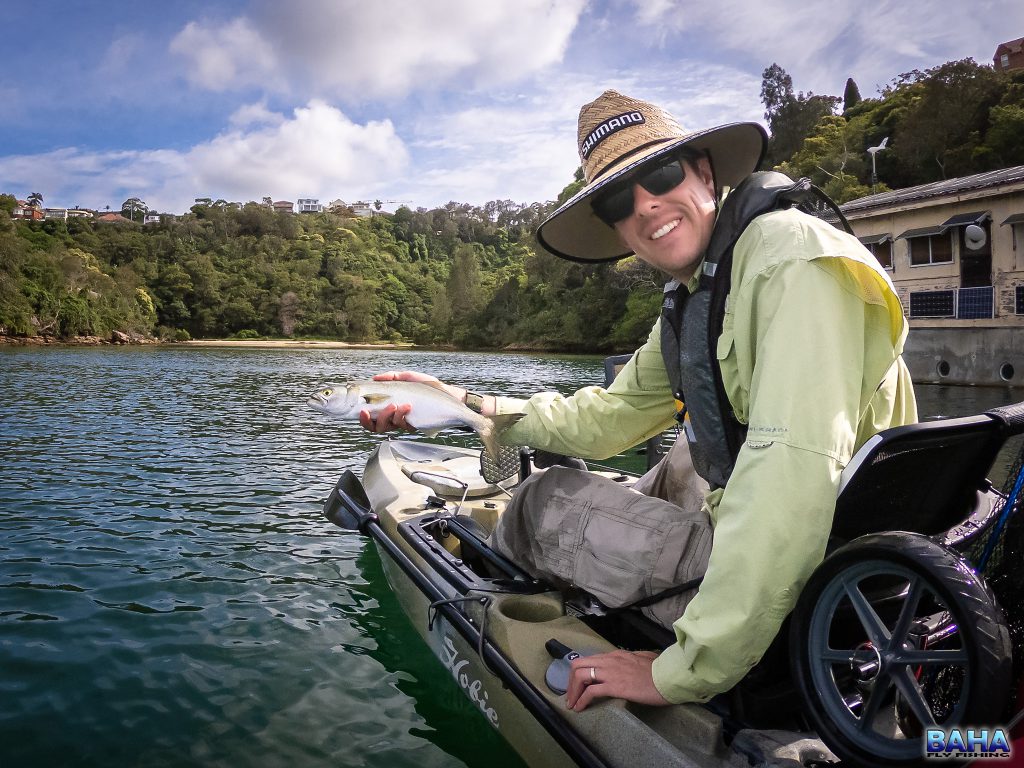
(616, 134)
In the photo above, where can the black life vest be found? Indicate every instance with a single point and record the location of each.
(692, 323)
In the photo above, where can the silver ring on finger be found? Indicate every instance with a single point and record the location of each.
(593, 674)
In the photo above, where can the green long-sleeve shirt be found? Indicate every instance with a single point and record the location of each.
(810, 357)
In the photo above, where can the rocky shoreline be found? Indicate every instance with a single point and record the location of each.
(117, 338)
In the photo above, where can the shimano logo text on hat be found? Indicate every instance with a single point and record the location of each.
(607, 128)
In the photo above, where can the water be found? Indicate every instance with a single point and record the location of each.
(170, 594)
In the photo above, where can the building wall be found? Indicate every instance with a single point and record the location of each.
(1014, 56)
(1007, 255)
(965, 355)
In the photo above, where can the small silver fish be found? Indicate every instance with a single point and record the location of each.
(433, 409)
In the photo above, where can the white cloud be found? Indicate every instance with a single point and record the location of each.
(357, 50)
(227, 57)
(524, 149)
(255, 114)
(120, 55)
(822, 42)
(317, 151)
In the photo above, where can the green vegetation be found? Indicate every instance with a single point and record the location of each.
(460, 275)
(471, 277)
(952, 120)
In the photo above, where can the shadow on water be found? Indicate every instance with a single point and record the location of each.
(450, 721)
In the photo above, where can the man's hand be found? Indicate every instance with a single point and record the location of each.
(392, 417)
(619, 674)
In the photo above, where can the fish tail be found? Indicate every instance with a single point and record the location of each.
(490, 429)
(489, 437)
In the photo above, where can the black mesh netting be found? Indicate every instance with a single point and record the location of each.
(1004, 571)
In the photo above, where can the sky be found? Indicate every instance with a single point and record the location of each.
(414, 102)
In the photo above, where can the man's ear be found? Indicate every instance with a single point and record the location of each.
(705, 173)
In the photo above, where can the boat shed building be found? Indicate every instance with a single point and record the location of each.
(955, 252)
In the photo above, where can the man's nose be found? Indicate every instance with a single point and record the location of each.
(643, 201)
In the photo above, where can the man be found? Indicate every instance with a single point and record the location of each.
(803, 357)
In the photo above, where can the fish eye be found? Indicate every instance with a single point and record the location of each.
(327, 392)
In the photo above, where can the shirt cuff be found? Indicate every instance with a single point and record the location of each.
(508, 405)
(669, 672)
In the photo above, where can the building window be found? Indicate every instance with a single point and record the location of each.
(1004, 60)
(882, 252)
(1019, 303)
(880, 247)
(933, 249)
(933, 303)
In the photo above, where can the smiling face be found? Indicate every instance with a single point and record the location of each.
(671, 231)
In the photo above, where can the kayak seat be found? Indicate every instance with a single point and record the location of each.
(923, 478)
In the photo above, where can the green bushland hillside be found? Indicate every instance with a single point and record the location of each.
(471, 277)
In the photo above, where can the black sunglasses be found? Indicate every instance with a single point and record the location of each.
(615, 204)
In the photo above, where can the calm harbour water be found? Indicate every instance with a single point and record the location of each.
(170, 594)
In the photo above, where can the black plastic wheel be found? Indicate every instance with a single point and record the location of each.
(894, 634)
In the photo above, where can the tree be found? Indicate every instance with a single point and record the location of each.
(1003, 139)
(851, 96)
(35, 200)
(943, 112)
(574, 186)
(131, 205)
(776, 91)
(833, 158)
(464, 289)
(289, 311)
(790, 118)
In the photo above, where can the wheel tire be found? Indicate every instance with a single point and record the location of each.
(833, 648)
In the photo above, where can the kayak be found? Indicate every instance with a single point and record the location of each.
(428, 510)
(897, 642)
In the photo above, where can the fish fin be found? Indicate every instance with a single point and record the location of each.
(430, 432)
(372, 398)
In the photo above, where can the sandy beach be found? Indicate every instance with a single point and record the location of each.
(289, 343)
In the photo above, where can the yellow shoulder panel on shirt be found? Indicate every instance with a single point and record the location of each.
(790, 234)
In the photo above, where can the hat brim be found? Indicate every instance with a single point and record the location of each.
(574, 231)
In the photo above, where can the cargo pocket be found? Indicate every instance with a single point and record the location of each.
(557, 535)
(620, 548)
(684, 558)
